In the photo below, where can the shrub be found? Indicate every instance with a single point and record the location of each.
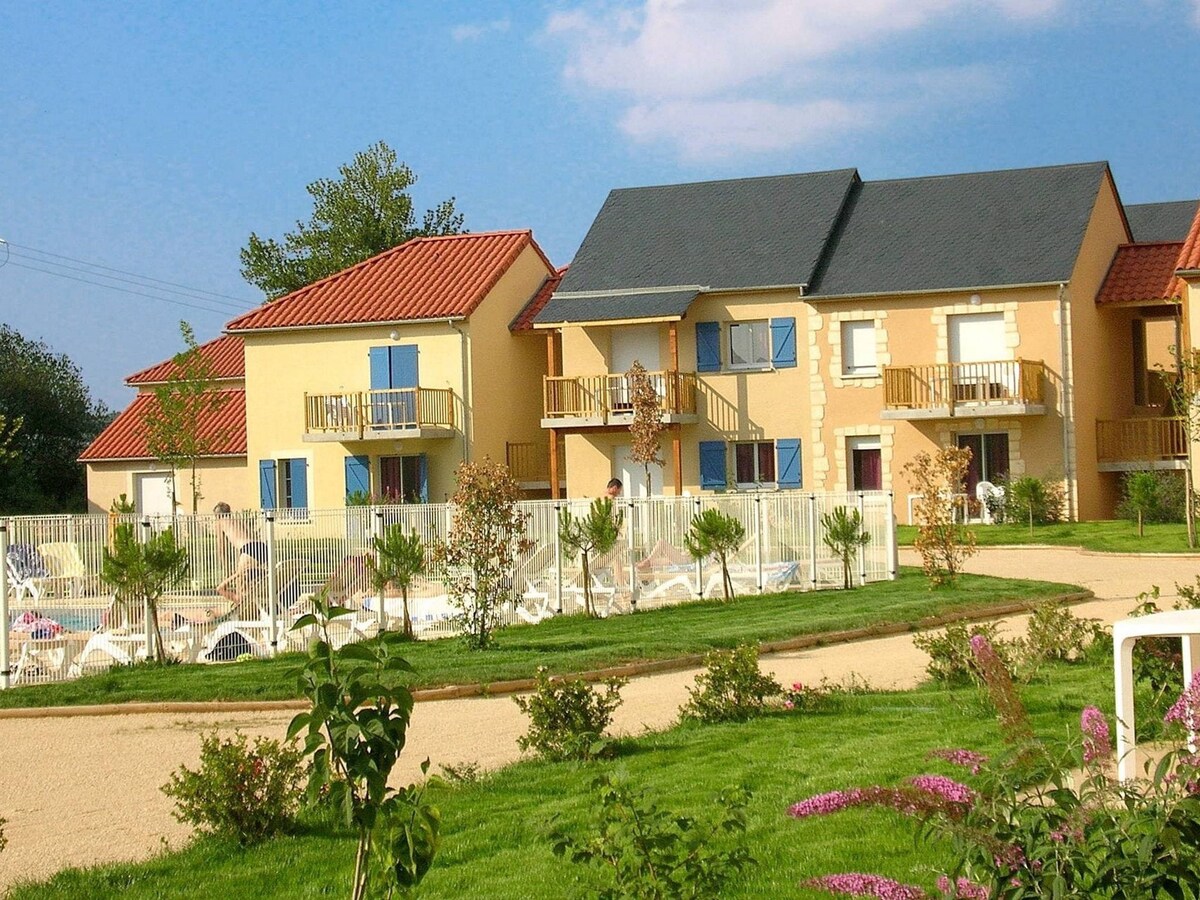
(240, 792)
(643, 852)
(950, 659)
(567, 718)
(713, 533)
(140, 572)
(398, 559)
(1035, 501)
(731, 688)
(590, 537)
(844, 535)
(1055, 633)
(1028, 827)
(944, 545)
(826, 696)
(1159, 496)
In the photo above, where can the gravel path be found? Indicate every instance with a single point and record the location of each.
(82, 790)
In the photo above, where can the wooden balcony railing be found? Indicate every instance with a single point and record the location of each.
(599, 396)
(367, 411)
(1004, 382)
(1140, 440)
(531, 461)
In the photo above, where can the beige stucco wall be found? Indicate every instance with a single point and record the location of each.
(502, 401)
(221, 479)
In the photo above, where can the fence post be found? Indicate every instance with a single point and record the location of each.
(893, 552)
(272, 580)
(700, 561)
(633, 579)
(4, 661)
(758, 544)
(376, 531)
(558, 561)
(812, 540)
(862, 550)
(146, 600)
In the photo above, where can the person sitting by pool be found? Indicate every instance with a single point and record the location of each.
(252, 554)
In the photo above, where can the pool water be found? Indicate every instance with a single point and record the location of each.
(75, 619)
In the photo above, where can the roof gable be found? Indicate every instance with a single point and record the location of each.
(226, 354)
(1189, 254)
(524, 319)
(1158, 222)
(721, 235)
(125, 436)
(425, 278)
(982, 229)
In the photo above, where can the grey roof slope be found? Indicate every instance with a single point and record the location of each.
(1161, 222)
(1018, 226)
(740, 233)
(612, 307)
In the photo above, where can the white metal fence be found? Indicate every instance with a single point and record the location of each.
(251, 575)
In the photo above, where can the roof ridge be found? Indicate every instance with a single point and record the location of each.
(1077, 165)
(649, 187)
(170, 360)
(1150, 244)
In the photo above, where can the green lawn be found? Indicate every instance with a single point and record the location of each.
(495, 842)
(1104, 537)
(569, 643)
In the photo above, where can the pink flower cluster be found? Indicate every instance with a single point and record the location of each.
(1097, 742)
(947, 788)
(853, 884)
(968, 759)
(1186, 710)
(824, 804)
(962, 889)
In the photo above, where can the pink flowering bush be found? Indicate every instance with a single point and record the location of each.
(1030, 825)
(824, 696)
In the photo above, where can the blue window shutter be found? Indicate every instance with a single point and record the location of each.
(423, 476)
(358, 474)
(783, 343)
(299, 472)
(381, 368)
(266, 483)
(404, 366)
(708, 347)
(787, 463)
(712, 465)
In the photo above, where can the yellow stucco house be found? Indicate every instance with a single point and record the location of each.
(817, 331)
(119, 462)
(379, 380)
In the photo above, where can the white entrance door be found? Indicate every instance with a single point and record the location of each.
(153, 494)
(633, 475)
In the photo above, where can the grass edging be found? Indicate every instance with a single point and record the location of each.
(523, 685)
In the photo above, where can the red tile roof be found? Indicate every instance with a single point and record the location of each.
(425, 278)
(226, 354)
(524, 320)
(1189, 255)
(125, 437)
(1140, 273)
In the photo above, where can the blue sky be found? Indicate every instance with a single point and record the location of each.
(153, 138)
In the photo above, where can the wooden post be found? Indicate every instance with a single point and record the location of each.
(554, 489)
(551, 354)
(677, 458)
(673, 350)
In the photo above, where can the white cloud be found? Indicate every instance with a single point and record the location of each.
(713, 78)
(474, 31)
(1196, 13)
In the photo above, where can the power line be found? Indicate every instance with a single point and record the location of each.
(113, 287)
(242, 303)
(231, 306)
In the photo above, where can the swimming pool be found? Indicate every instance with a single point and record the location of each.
(71, 618)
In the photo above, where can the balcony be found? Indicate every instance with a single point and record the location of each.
(379, 415)
(597, 400)
(1125, 445)
(529, 464)
(1011, 387)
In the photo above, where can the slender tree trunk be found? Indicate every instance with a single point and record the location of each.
(1189, 499)
(587, 585)
(408, 629)
(359, 886)
(1141, 526)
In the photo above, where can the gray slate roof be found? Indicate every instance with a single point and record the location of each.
(1161, 222)
(741, 233)
(1019, 226)
(613, 307)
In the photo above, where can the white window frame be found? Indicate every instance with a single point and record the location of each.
(753, 366)
(848, 330)
(757, 484)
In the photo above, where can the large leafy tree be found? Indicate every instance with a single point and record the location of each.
(364, 212)
(189, 396)
(44, 390)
